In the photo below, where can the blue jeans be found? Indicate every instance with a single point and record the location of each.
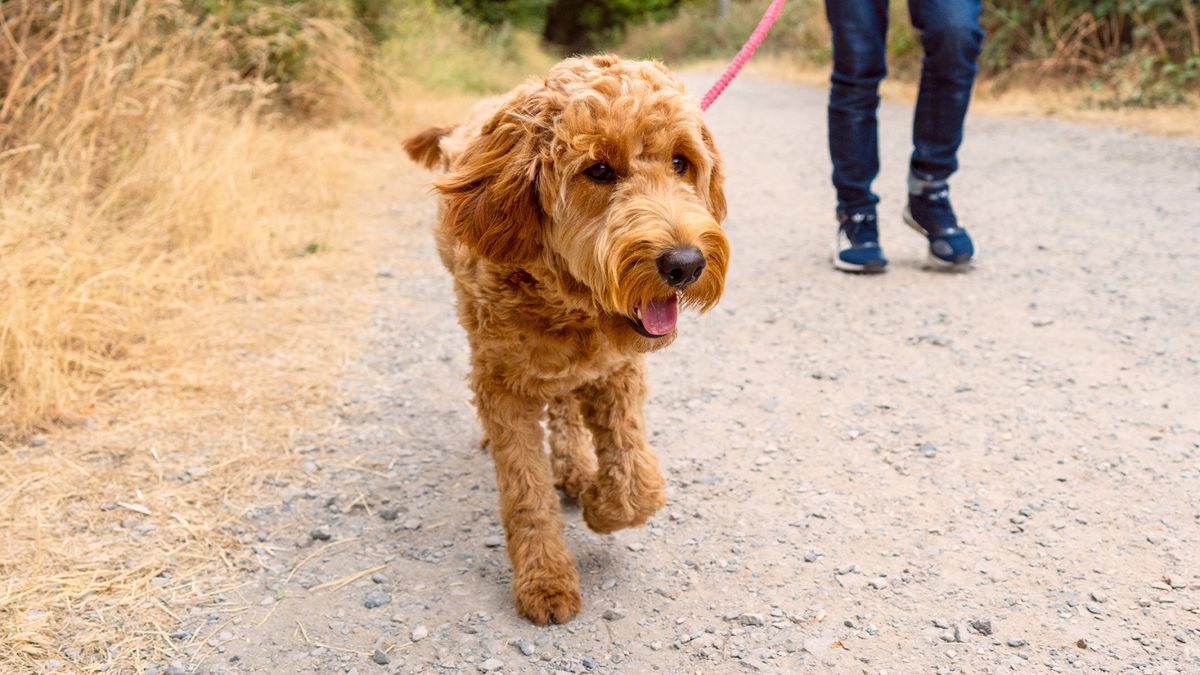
(951, 38)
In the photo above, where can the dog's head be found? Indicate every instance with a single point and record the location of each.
(606, 172)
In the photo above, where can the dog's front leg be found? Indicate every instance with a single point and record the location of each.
(628, 488)
(545, 582)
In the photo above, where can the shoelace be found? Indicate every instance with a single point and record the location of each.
(937, 202)
(858, 224)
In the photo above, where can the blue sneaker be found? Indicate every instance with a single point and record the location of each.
(857, 248)
(928, 212)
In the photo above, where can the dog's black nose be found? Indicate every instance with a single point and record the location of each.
(681, 267)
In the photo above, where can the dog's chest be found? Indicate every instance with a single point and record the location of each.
(538, 340)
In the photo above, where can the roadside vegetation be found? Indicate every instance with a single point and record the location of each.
(181, 185)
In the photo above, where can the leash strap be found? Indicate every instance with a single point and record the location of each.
(744, 54)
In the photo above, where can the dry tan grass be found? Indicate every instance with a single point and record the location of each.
(1041, 97)
(178, 280)
(227, 378)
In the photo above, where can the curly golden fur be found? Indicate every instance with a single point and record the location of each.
(566, 206)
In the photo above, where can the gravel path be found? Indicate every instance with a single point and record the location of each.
(916, 472)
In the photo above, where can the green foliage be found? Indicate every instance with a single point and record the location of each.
(524, 14)
(293, 44)
(696, 31)
(438, 48)
(1143, 51)
(587, 25)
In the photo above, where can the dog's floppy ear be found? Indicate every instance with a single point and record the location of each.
(424, 147)
(714, 187)
(491, 194)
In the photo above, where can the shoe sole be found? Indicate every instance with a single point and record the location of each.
(844, 266)
(929, 256)
(853, 268)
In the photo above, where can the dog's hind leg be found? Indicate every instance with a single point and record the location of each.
(628, 488)
(571, 454)
(545, 583)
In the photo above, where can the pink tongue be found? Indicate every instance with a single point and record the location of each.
(658, 317)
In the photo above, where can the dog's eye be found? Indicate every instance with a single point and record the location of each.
(601, 173)
(680, 164)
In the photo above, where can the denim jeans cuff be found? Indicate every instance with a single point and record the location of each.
(918, 183)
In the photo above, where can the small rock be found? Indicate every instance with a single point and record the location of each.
(419, 633)
(523, 646)
(38, 440)
(1093, 608)
(493, 542)
(376, 599)
(380, 657)
(751, 619)
(983, 626)
(321, 533)
(928, 449)
(491, 665)
(812, 556)
(1099, 596)
(196, 472)
(388, 513)
(589, 663)
(614, 614)
(1017, 642)
(1081, 643)
(635, 546)
(941, 623)
(878, 583)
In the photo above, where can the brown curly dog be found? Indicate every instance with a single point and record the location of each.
(579, 213)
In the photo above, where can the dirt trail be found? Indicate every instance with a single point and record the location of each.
(866, 474)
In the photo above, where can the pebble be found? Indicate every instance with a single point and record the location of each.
(523, 646)
(491, 665)
(419, 633)
(751, 619)
(928, 449)
(388, 513)
(635, 546)
(878, 583)
(38, 440)
(984, 626)
(1093, 608)
(376, 599)
(493, 542)
(380, 657)
(1099, 596)
(321, 533)
(1017, 642)
(812, 556)
(614, 614)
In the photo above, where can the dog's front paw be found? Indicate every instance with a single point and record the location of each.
(609, 508)
(546, 600)
(573, 479)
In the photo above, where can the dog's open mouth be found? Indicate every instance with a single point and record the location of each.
(656, 318)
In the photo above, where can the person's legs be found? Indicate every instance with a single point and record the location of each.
(859, 63)
(951, 37)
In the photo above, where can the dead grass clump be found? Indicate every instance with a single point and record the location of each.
(139, 165)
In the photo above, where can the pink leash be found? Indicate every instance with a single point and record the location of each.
(744, 53)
